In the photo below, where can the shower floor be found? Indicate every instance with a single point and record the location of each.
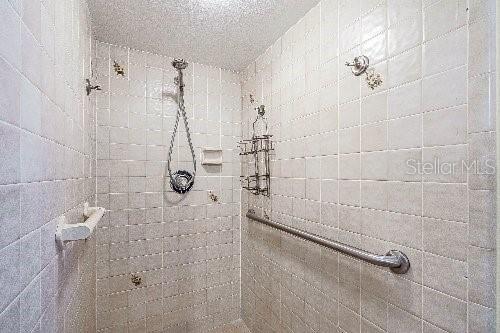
(234, 327)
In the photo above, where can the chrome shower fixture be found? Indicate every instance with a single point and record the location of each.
(181, 181)
(179, 64)
(360, 65)
(261, 110)
(89, 87)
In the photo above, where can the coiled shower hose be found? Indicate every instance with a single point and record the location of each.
(181, 181)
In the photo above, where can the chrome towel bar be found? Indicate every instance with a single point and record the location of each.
(396, 260)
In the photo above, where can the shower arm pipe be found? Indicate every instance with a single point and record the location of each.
(396, 260)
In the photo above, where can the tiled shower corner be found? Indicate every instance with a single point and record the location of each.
(346, 166)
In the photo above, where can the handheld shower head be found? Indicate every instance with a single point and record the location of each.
(179, 64)
(181, 181)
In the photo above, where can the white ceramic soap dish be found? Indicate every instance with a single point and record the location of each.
(78, 231)
(211, 156)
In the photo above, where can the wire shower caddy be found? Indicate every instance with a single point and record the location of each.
(256, 154)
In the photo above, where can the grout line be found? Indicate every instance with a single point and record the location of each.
(467, 84)
(421, 277)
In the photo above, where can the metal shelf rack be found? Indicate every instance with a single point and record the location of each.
(256, 153)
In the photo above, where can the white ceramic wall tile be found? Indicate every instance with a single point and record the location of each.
(400, 10)
(10, 37)
(481, 116)
(445, 90)
(445, 127)
(374, 108)
(455, 318)
(405, 133)
(405, 68)
(452, 46)
(405, 100)
(444, 16)
(451, 244)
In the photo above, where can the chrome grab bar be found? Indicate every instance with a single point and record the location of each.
(396, 260)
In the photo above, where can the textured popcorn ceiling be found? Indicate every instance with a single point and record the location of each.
(224, 33)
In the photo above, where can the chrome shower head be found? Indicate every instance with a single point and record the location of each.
(179, 63)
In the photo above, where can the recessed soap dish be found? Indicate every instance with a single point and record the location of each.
(211, 156)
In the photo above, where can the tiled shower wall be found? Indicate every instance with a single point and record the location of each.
(184, 248)
(344, 168)
(47, 166)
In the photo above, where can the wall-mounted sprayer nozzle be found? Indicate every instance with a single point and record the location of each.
(361, 65)
(89, 87)
(179, 63)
